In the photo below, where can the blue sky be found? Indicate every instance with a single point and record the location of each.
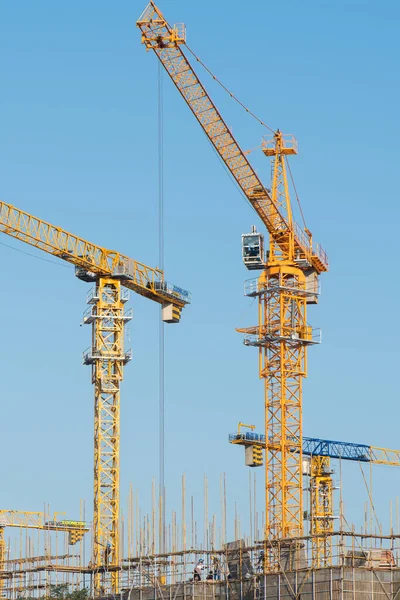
(78, 147)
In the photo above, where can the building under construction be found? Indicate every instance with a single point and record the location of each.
(303, 547)
(362, 566)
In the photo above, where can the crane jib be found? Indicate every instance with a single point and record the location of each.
(167, 42)
(97, 260)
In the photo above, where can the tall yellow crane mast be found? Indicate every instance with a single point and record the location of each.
(36, 520)
(113, 275)
(288, 282)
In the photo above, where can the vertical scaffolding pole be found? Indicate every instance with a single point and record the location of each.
(2, 560)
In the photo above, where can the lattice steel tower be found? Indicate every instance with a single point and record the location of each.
(321, 510)
(107, 358)
(283, 289)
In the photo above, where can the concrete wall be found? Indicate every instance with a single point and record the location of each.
(336, 583)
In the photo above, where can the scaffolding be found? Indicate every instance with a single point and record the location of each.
(364, 567)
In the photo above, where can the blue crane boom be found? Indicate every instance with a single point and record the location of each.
(329, 448)
(320, 485)
(335, 449)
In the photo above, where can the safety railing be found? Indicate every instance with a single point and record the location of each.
(288, 141)
(91, 354)
(91, 314)
(248, 436)
(92, 296)
(169, 289)
(253, 287)
(302, 238)
(180, 32)
(88, 315)
(321, 254)
(267, 336)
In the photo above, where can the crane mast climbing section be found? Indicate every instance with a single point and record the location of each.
(283, 289)
(107, 358)
(321, 510)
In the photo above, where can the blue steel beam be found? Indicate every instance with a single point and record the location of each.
(330, 448)
(334, 449)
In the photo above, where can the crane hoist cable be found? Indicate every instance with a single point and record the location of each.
(53, 262)
(295, 191)
(252, 114)
(227, 90)
(231, 94)
(161, 341)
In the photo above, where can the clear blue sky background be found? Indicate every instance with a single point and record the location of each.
(78, 147)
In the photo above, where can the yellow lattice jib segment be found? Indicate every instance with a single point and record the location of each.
(97, 260)
(384, 456)
(159, 36)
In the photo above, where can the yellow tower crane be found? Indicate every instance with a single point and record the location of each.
(36, 520)
(288, 282)
(321, 509)
(113, 275)
(319, 453)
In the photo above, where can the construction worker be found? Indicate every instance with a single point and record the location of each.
(216, 567)
(107, 552)
(260, 561)
(198, 570)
